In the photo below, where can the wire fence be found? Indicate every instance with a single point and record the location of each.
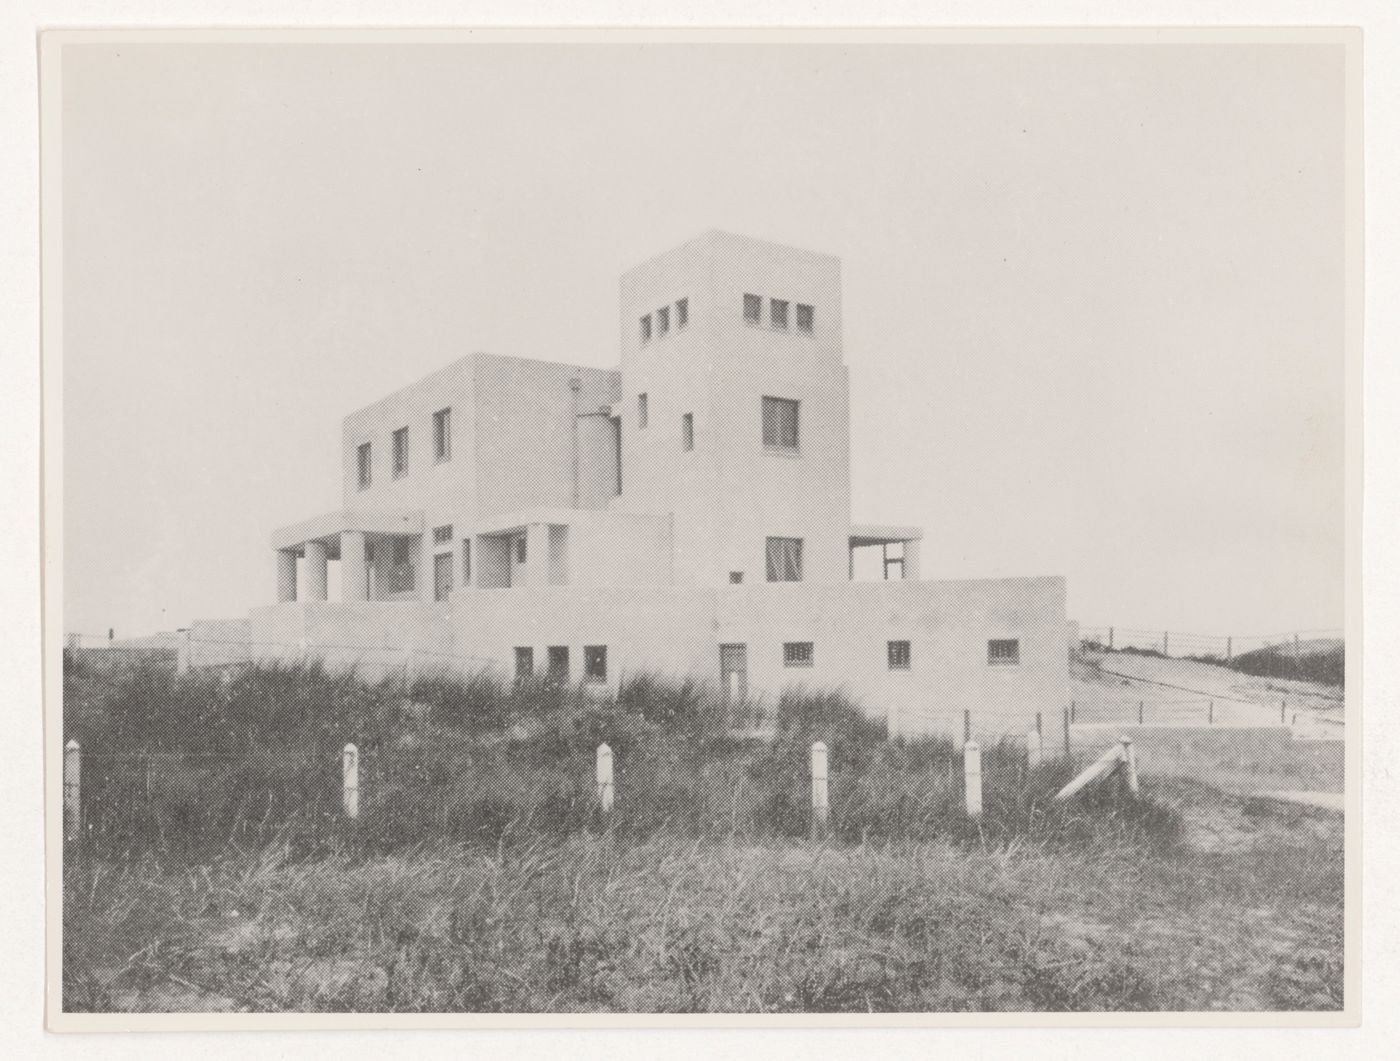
(1177, 644)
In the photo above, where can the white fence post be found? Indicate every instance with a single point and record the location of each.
(605, 779)
(1033, 749)
(1130, 763)
(72, 789)
(972, 774)
(350, 780)
(821, 808)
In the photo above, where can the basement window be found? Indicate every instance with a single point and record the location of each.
(1004, 653)
(736, 578)
(682, 313)
(899, 655)
(400, 453)
(524, 663)
(753, 309)
(798, 654)
(364, 465)
(688, 431)
(595, 663)
(663, 321)
(557, 667)
(806, 318)
(778, 313)
(646, 329)
(442, 435)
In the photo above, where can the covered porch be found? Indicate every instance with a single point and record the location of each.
(884, 552)
(379, 556)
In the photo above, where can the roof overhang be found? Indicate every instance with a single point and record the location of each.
(883, 534)
(333, 524)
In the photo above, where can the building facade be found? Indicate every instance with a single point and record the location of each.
(687, 514)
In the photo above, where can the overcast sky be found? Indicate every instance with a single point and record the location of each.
(1093, 294)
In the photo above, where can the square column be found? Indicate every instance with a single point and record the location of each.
(911, 559)
(316, 557)
(286, 576)
(537, 554)
(354, 570)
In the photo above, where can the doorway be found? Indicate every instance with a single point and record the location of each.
(734, 672)
(442, 576)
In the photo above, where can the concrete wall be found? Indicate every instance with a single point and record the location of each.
(620, 549)
(219, 642)
(370, 636)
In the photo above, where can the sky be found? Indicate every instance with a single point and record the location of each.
(1093, 294)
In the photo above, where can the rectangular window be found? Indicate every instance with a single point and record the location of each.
(524, 663)
(1004, 653)
(400, 452)
(682, 313)
(736, 577)
(641, 410)
(442, 435)
(663, 320)
(688, 431)
(899, 655)
(797, 654)
(364, 465)
(753, 309)
(557, 667)
(646, 328)
(520, 549)
(442, 535)
(806, 317)
(784, 559)
(466, 561)
(777, 313)
(595, 663)
(780, 430)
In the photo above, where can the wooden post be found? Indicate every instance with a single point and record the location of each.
(1101, 767)
(967, 724)
(972, 774)
(182, 653)
(1282, 712)
(1068, 714)
(1110, 639)
(1210, 714)
(1140, 712)
(350, 781)
(605, 779)
(821, 809)
(1130, 763)
(72, 790)
(1033, 748)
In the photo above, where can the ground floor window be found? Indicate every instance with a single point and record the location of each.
(595, 663)
(899, 655)
(797, 654)
(524, 662)
(558, 665)
(1004, 652)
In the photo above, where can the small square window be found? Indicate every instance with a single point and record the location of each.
(557, 667)
(442, 435)
(1004, 653)
(663, 320)
(364, 465)
(899, 655)
(520, 549)
(797, 654)
(400, 453)
(777, 313)
(682, 312)
(442, 535)
(642, 416)
(806, 318)
(736, 578)
(688, 431)
(524, 663)
(595, 663)
(753, 309)
(646, 328)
